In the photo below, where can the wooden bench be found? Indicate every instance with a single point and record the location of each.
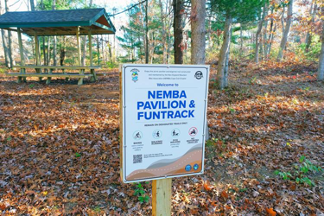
(50, 69)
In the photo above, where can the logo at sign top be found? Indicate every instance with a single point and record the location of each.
(199, 75)
(134, 74)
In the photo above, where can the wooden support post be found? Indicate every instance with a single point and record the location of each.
(37, 52)
(48, 81)
(79, 53)
(22, 57)
(94, 75)
(90, 46)
(161, 197)
(21, 49)
(78, 44)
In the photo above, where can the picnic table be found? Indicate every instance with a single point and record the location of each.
(93, 21)
(40, 72)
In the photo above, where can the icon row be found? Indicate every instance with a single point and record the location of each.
(157, 134)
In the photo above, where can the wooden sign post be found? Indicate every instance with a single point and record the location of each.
(161, 197)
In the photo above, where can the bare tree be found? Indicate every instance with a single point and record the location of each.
(178, 24)
(286, 30)
(4, 41)
(10, 54)
(222, 72)
(54, 39)
(198, 31)
(146, 34)
(313, 10)
(260, 25)
(320, 73)
(163, 33)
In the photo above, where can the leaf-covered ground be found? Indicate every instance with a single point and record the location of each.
(59, 147)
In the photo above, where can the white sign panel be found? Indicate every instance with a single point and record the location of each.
(164, 120)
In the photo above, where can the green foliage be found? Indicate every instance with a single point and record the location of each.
(241, 11)
(60, 4)
(140, 192)
(284, 175)
(314, 51)
(304, 168)
(133, 38)
(112, 65)
(77, 154)
(9, 139)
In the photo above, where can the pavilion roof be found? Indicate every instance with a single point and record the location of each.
(59, 22)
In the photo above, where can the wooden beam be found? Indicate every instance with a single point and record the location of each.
(90, 46)
(58, 67)
(161, 197)
(72, 75)
(103, 26)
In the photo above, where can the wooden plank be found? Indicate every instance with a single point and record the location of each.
(161, 197)
(49, 75)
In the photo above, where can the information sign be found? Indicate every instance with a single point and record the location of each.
(163, 120)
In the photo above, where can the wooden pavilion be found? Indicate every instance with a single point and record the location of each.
(57, 22)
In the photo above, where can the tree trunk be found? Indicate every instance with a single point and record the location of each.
(32, 5)
(10, 54)
(83, 48)
(163, 34)
(320, 73)
(309, 34)
(257, 42)
(44, 52)
(98, 49)
(178, 8)
(198, 31)
(62, 50)
(4, 43)
(265, 35)
(146, 35)
(287, 30)
(222, 73)
(48, 61)
(241, 40)
(268, 44)
(102, 49)
(54, 38)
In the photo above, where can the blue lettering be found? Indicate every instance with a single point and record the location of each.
(183, 94)
(159, 95)
(139, 105)
(139, 115)
(151, 95)
(191, 114)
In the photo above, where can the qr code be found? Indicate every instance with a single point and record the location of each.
(137, 159)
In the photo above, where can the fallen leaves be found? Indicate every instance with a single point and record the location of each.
(271, 212)
(59, 151)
